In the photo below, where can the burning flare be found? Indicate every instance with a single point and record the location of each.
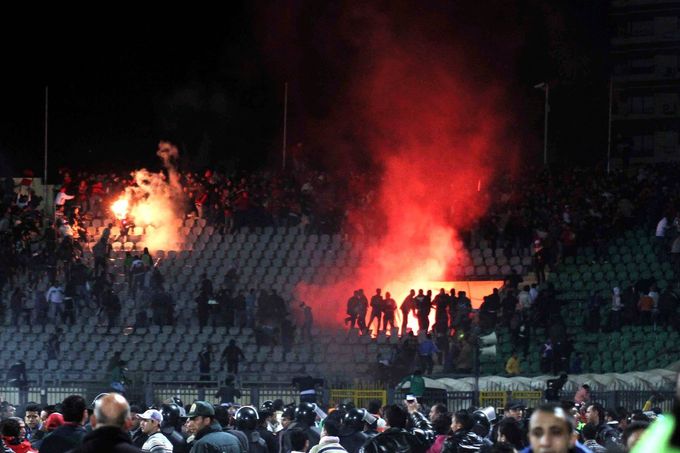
(120, 208)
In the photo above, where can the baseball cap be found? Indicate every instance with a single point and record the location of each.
(201, 409)
(151, 414)
(516, 405)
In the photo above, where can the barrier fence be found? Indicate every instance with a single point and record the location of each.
(150, 393)
(360, 397)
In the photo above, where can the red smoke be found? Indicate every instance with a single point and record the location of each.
(435, 134)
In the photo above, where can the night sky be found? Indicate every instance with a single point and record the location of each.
(213, 83)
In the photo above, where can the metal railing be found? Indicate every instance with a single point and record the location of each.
(156, 392)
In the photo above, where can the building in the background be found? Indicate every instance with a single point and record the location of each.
(645, 57)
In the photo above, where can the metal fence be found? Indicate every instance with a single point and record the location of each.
(360, 397)
(635, 399)
(153, 393)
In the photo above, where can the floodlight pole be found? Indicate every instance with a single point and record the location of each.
(546, 88)
(45, 150)
(285, 125)
(609, 125)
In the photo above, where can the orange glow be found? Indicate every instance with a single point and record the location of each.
(154, 202)
(120, 208)
(475, 291)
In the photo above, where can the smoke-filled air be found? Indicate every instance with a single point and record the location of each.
(434, 135)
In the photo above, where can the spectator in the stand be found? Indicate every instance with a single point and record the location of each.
(376, 309)
(61, 199)
(389, 308)
(615, 310)
(645, 306)
(425, 351)
(662, 228)
(351, 310)
(441, 319)
(512, 366)
(232, 355)
(423, 309)
(407, 306)
(251, 307)
(112, 307)
(668, 306)
(205, 362)
(55, 297)
(308, 321)
(16, 305)
(538, 259)
(362, 310)
(101, 251)
(202, 308)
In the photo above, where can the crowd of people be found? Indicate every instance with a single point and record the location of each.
(540, 208)
(111, 424)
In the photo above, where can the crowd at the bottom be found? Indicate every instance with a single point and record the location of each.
(111, 424)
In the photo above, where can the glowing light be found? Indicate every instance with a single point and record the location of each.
(120, 208)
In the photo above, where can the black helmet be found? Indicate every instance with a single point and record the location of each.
(355, 418)
(267, 406)
(304, 413)
(483, 418)
(345, 407)
(171, 415)
(246, 418)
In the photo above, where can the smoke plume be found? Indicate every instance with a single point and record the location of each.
(436, 131)
(155, 201)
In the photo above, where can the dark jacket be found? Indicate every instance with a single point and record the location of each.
(606, 435)
(462, 440)
(269, 439)
(107, 439)
(352, 440)
(578, 448)
(240, 436)
(212, 439)
(179, 443)
(64, 438)
(312, 434)
(398, 440)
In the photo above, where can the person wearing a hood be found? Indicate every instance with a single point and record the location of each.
(617, 305)
(552, 429)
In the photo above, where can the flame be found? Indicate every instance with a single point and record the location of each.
(120, 208)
